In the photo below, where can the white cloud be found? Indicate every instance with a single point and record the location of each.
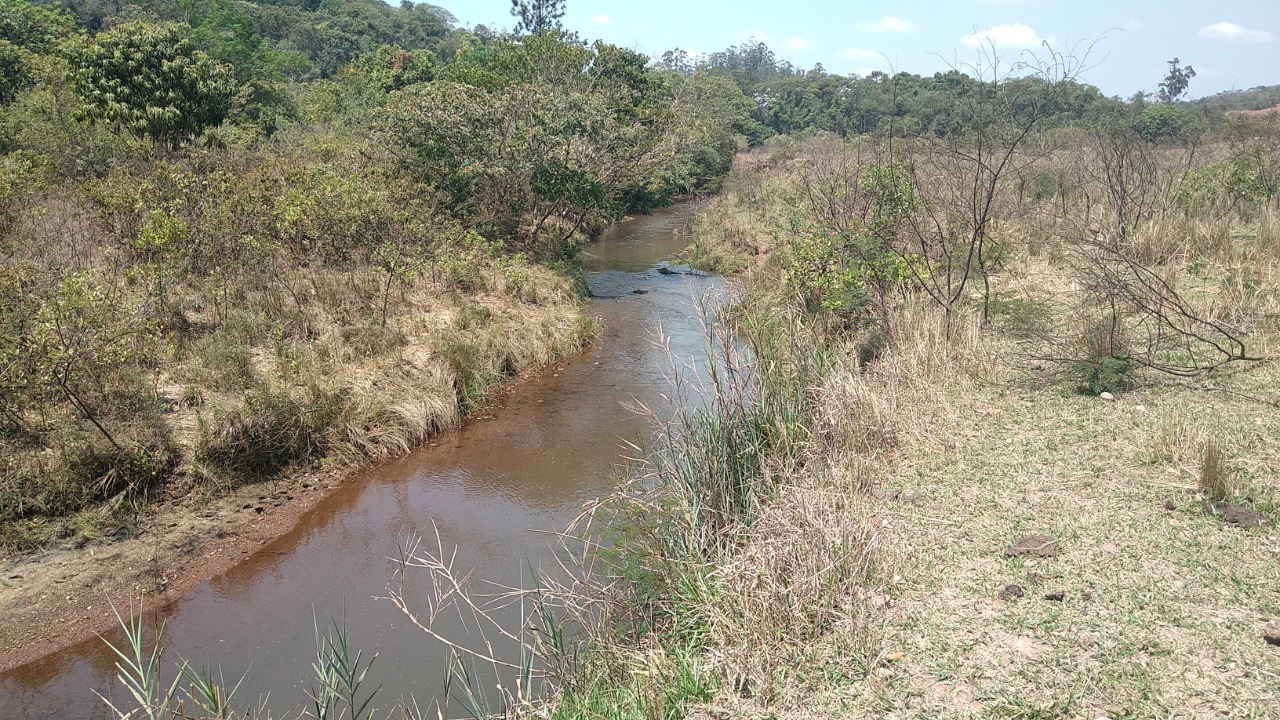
(1004, 35)
(887, 24)
(861, 55)
(602, 20)
(796, 43)
(1235, 33)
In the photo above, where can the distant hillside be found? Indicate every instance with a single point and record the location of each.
(1263, 97)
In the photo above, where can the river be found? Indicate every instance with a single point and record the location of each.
(495, 490)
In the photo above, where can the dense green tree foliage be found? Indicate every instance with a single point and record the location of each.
(151, 81)
(537, 139)
(31, 27)
(788, 99)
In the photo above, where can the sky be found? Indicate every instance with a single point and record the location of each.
(1125, 44)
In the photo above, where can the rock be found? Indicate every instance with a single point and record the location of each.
(1010, 592)
(1170, 505)
(1107, 397)
(1140, 408)
(639, 291)
(1236, 515)
(1272, 633)
(1037, 545)
(906, 496)
(1055, 595)
(666, 271)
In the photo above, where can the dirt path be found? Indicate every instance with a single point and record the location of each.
(60, 597)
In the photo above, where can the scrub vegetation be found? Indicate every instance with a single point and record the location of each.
(241, 238)
(990, 431)
(1033, 472)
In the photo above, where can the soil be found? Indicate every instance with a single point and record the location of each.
(57, 598)
(1037, 545)
(1237, 515)
(1011, 592)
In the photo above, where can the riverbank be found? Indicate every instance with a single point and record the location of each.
(60, 595)
(975, 510)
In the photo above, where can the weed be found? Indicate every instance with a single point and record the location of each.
(1214, 479)
(1104, 374)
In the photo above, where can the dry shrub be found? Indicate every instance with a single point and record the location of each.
(392, 413)
(800, 594)
(925, 344)
(853, 416)
(899, 401)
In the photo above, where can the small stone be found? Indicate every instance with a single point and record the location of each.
(1170, 505)
(1272, 633)
(1237, 515)
(1010, 592)
(894, 657)
(1140, 409)
(1037, 545)
(1107, 397)
(1055, 595)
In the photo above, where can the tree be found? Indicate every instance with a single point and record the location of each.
(676, 60)
(1175, 82)
(534, 17)
(151, 81)
(34, 28)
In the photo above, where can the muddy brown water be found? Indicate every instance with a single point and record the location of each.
(493, 489)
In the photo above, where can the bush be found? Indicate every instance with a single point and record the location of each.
(274, 429)
(1104, 374)
(1165, 122)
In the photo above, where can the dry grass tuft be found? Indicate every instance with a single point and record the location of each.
(1215, 477)
(801, 593)
(1176, 440)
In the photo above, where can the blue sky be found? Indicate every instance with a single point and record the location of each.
(1230, 43)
